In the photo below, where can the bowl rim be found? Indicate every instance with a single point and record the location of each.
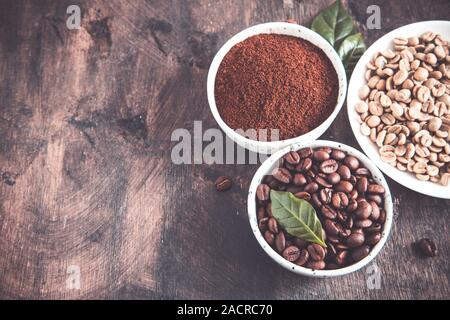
(424, 187)
(274, 28)
(251, 208)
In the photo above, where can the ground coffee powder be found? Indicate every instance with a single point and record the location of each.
(272, 81)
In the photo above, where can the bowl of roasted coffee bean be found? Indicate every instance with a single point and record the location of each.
(275, 84)
(399, 106)
(320, 209)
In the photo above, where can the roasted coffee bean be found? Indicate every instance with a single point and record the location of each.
(374, 228)
(338, 155)
(344, 186)
(305, 153)
(362, 184)
(300, 243)
(316, 252)
(223, 183)
(363, 172)
(291, 253)
(373, 238)
(292, 157)
(272, 224)
(321, 155)
(331, 227)
(363, 223)
(360, 253)
(334, 178)
(303, 258)
(344, 172)
(326, 149)
(364, 210)
(375, 211)
(261, 213)
(354, 195)
(375, 188)
(349, 222)
(280, 241)
(339, 200)
(328, 166)
(356, 239)
(304, 165)
(328, 212)
(375, 197)
(263, 223)
(299, 179)
(303, 195)
(341, 257)
(269, 237)
(344, 199)
(352, 205)
(352, 180)
(351, 162)
(315, 265)
(282, 174)
(325, 195)
(322, 182)
(428, 247)
(262, 192)
(316, 200)
(311, 187)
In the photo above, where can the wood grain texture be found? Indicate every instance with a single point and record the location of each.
(86, 177)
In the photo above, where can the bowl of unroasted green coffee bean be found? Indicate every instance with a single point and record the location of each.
(399, 106)
(320, 209)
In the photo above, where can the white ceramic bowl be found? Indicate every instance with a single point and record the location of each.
(271, 163)
(357, 80)
(285, 29)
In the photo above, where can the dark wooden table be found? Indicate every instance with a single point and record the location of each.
(87, 184)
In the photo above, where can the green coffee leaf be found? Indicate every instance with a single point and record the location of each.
(296, 216)
(350, 50)
(333, 23)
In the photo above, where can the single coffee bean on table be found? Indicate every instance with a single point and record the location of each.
(272, 81)
(347, 201)
(427, 247)
(223, 183)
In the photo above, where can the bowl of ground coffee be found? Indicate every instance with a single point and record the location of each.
(275, 84)
(320, 208)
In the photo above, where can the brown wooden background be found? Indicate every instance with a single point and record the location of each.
(86, 177)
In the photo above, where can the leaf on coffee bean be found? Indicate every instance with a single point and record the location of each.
(350, 50)
(297, 217)
(333, 23)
